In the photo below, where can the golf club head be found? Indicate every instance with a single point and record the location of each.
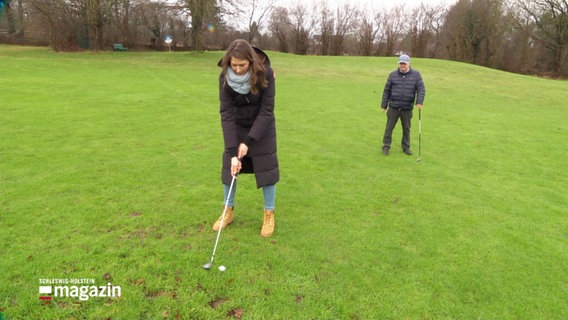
(207, 266)
(419, 159)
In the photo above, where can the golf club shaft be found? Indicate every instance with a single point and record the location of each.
(223, 217)
(419, 133)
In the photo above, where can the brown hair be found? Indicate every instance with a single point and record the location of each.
(241, 49)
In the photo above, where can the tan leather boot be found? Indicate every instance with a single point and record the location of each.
(268, 224)
(228, 219)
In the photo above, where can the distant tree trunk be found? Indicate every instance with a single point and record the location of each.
(345, 21)
(121, 18)
(327, 24)
(473, 30)
(280, 26)
(301, 29)
(366, 36)
(550, 18)
(56, 19)
(258, 12)
(200, 10)
(10, 17)
(394, 29)
(96, 14)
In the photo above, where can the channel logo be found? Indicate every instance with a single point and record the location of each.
(63, 289)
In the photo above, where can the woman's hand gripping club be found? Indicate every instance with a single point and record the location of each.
(236, 164)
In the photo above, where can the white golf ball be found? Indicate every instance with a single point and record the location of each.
(222, 268)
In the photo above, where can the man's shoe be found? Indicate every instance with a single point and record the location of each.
(407, 151)
(385, 152)
(268, 224)
(228, 219)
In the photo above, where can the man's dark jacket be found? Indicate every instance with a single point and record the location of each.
(403, 89)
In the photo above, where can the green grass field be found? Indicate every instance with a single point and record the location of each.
(110, 171)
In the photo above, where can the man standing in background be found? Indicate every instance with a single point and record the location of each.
(404, 87)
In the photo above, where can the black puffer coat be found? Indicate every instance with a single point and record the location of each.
(250, 115)
(403, 89)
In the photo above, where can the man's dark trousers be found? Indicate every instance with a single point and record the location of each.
(392, 117)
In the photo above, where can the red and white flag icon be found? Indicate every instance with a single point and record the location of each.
(45, 292)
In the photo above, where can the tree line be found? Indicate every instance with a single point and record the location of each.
(523, 36)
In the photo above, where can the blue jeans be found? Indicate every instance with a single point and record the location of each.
(269, 193)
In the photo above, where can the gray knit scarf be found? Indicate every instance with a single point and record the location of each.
(239, 83)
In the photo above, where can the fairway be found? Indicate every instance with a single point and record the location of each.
(110, 177)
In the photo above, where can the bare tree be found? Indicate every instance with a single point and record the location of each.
(59, 20)
(326, 26)
(519, 50)
(531, 37)
(345, 22)
(95, 14)
(474, 30)
(436, 16)
(420, 30)
(366, 35)
(380, 21)
(550, 17)
(280, 26)
(257, 13)
(152, 18)
(393, 29)
(201, 11)
(302, 27)
(6, 7)
(454, 31)
(121, 30)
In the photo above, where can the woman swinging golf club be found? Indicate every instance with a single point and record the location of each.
(246, 93)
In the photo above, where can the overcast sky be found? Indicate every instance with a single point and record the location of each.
(370, 4)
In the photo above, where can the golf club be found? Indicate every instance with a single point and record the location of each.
(207, 266)
(419, 135)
